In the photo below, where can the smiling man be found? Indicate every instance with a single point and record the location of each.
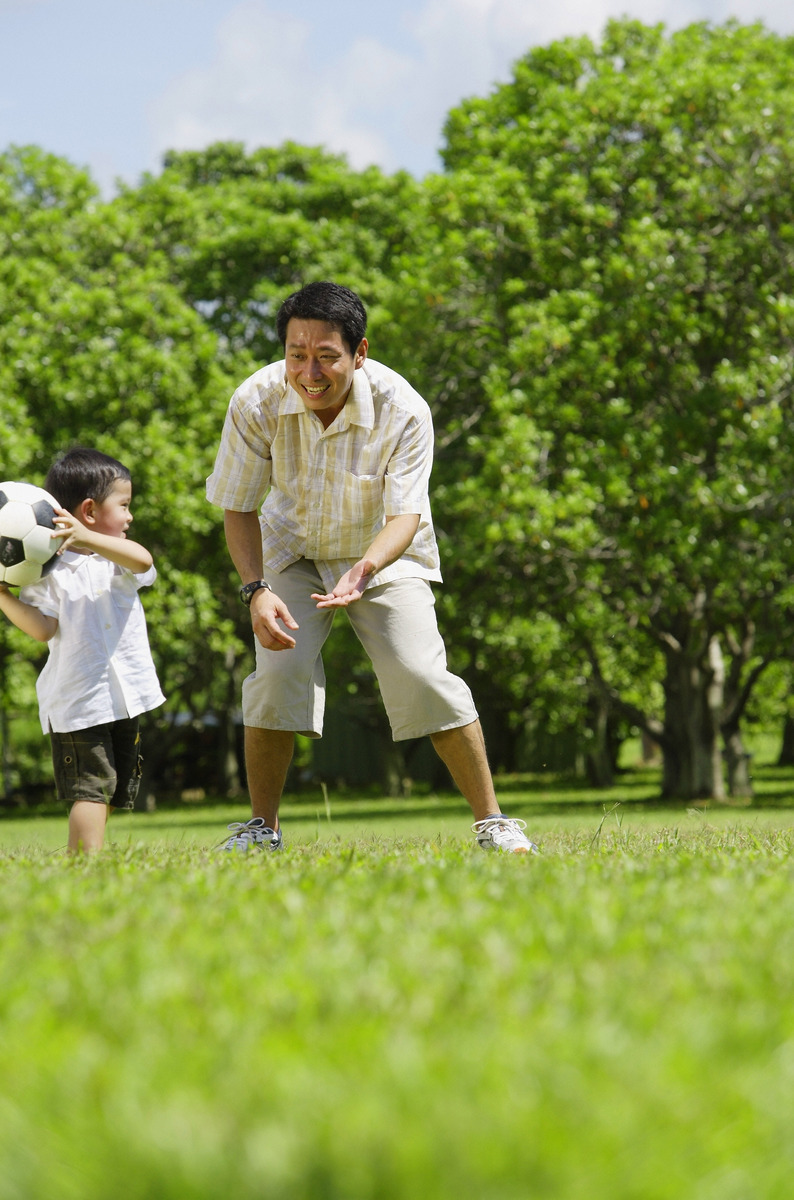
(336, 450)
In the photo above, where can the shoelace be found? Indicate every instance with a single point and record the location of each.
(505, 822)
(242, 834)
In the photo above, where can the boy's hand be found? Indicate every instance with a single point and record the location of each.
(116, 548)
(73, 532)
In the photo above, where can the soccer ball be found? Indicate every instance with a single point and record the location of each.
(27, 519)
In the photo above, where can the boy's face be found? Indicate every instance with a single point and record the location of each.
(112, 516)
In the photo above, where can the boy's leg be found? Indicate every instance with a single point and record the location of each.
(125, 758)
(85, 778)
(87, 820)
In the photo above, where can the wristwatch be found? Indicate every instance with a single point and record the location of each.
(248, 589)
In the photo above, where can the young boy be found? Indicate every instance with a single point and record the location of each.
(99, 675)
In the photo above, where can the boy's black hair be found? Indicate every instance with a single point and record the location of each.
(81, 474)
(329, 302)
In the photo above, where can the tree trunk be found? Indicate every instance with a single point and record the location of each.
(394, 771)
(229, 763)
(786, 756)
(693, 690)
(737, 761)
(599, 759)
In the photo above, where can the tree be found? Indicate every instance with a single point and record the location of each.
(637, 256)
(239, 231)
(98, 347)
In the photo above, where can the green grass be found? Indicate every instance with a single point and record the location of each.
(384, 1011)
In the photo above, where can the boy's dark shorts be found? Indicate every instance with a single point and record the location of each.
(102, 763)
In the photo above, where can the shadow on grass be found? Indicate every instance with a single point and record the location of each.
(519, 795)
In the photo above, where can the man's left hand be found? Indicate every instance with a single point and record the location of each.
(349, 588)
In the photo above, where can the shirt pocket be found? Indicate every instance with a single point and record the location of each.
(362, 499)
(360, 514)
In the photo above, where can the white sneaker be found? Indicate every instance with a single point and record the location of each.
(504, 833)
(252, 834)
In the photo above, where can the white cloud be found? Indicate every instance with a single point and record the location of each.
(276, 76)
(272, 80)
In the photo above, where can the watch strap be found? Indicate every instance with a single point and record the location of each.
(248, 590)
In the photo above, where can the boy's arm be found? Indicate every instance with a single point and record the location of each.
(27, 618)
(120, 550)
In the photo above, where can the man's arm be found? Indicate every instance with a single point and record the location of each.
(27, 618)
(244, 540)
(388, 545)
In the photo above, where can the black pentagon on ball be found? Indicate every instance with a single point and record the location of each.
(3, 499)
(11, 551)
(44, 513)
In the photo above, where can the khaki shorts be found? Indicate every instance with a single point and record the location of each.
(396, 625)
(101, 763)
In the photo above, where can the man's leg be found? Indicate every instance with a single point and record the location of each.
(268, 754)
(397, 626)
(284, 695)
(462, 751)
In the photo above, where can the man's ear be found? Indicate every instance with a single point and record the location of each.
(361, 353)
(86, 511)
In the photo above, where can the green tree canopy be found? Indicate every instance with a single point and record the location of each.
(98, 347)
(632, 280)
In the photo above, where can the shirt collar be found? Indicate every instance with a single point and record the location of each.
(73, 560)
(359, 408)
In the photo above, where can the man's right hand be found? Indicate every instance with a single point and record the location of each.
(266, 612)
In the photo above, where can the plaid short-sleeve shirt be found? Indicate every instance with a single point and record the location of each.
(325, 493)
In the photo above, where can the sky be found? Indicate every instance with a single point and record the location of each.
(113, 84)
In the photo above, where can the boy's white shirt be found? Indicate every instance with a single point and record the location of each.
(100, 666)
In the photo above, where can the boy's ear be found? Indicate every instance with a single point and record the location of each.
(85, 511)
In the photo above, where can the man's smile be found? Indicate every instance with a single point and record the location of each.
(320, 366)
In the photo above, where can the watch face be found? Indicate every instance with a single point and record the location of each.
(248, 590)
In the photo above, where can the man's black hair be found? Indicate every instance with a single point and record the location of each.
(329, 302)
(81, 474)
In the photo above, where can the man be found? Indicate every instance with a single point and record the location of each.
(340, 448)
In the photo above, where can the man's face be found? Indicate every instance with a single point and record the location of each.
(320, 367)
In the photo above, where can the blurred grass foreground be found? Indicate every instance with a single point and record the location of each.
(385, 1011)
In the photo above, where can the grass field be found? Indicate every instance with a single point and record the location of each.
(384, 1011)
